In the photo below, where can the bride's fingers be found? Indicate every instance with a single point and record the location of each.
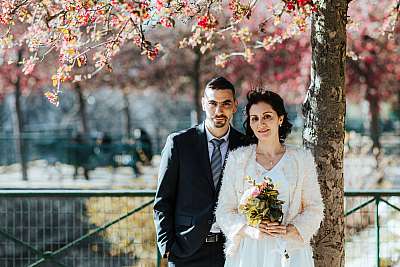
(277, 232)
(276, 227)
(280, 230)
(268, 227)
(264, 230)
(273, 231)
(269, 223)
(273, 224)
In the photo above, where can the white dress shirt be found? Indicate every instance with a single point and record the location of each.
(224, 149)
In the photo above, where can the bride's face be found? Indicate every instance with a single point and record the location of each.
(264, 121)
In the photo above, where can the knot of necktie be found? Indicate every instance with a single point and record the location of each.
(217, 142)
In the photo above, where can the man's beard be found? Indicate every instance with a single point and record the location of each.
(220, 124)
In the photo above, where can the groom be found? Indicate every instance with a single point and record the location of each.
(189, 180)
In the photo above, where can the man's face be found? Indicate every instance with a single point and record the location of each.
(219, 105)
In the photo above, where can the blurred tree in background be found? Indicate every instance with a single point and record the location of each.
(373, 69)
(13, 81)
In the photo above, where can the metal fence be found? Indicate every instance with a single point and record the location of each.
(372, 228)
(76, 228)
(115, 228)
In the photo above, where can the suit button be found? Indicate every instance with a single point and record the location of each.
(210, 221)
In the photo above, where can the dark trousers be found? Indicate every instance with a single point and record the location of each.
(209, 255)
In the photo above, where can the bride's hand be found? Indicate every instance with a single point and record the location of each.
(273, 228)
(292, 232)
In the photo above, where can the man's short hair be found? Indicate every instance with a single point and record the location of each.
(220, 83)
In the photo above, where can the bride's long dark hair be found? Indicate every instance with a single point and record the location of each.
(258, 95)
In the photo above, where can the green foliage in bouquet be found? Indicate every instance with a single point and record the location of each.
(262, 203)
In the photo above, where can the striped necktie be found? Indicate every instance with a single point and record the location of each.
(216, 160)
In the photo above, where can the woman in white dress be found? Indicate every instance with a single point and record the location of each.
(292, 169)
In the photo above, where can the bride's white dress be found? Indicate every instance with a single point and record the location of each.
(244, 247)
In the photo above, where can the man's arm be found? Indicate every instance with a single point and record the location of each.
(164, 204)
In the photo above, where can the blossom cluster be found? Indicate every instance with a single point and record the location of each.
(91, 32)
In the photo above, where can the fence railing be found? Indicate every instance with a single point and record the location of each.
(372, 208)
(77, 228)
(115, 227)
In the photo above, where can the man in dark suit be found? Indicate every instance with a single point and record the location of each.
(189, 180)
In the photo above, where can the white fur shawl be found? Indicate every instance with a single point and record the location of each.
(305, 207)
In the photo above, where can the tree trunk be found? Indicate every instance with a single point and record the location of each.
(324, 111)
(128, 123)
(82, 110)
(197, 84)
(19, 126)
(374, 123)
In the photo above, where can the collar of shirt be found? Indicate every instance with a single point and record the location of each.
(223, 147)
(210, 136)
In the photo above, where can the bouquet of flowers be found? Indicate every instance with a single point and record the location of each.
(261, 202)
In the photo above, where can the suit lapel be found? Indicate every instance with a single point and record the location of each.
(204, 154)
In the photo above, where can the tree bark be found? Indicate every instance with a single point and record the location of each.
(324, 111)
(82, 110)
(196, 77)
(19, 126)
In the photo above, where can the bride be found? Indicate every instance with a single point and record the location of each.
(291, 169)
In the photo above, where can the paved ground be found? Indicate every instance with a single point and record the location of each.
(61, 176)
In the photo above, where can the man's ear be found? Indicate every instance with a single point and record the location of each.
(203, 103)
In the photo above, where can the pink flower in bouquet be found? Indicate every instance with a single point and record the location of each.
(264, 186)
(256, 192)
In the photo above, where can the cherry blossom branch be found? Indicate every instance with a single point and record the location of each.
(15, 9)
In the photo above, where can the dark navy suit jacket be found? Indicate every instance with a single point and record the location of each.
(186, 196)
